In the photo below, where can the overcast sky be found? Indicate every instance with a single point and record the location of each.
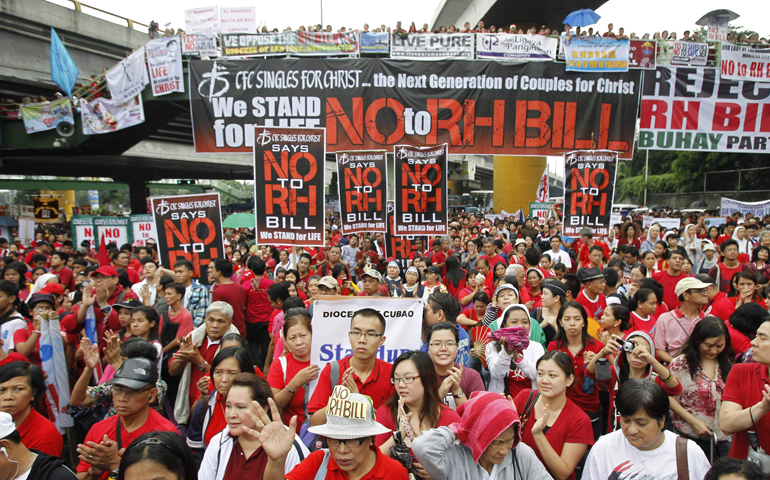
(647, 16)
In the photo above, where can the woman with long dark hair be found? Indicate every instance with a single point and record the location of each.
(702, 368)
(415, 406)
(743, 289)
(454, 279)
(572, 338)
(760, 258)
(16, 272)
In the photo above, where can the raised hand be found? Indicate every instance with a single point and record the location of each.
(541, 422)
(306, 375)
(112, 350)
(275, 438)
(90, 353)
(348, 380)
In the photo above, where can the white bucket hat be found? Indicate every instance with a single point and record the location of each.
(349, 415)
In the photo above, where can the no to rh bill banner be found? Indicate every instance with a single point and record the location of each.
(745, 63)
(402, 247)
(362, 183)
(203, 19)
(238, 19)
(758, 209)
(143, 229)
(421, 193)
(164, 60)
(332, 316)
(594, 55)
(695, 109)
(189, 227)
(479, 107)
(504, 46)
(102, 115)
(589, 189)
(432, 46)
(290, 42)
(289, 186)
(114, 229)
(39, 117)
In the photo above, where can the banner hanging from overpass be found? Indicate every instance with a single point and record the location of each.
(694, 109)
(477, 107)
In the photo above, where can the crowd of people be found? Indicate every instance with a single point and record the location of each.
(631, 356)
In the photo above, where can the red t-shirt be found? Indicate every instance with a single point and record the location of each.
(108, 426)
(744, 386)
(586, 401)
(66, 278)
(41, 434)
(572, 426)
(231, 293)
(217, 421)
(595, 308)
(384, 467)
(585, 250)
(13, 357)
(494, 261)
(258, 307)
(275, 378)
(639, 323)
(439, 257)
(377, 385)
(385, 418)
(669, 287)
(240, 467)
(22, 335)
(185, 321)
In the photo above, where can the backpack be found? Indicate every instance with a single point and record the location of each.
(311, 440)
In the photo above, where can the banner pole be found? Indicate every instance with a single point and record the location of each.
(646, 172)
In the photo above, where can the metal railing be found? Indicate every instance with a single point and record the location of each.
(130, 23)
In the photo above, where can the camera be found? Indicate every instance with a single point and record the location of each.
(626, 345)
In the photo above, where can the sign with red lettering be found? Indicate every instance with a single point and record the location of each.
(189, 228)
(114, 229)
(745, 63)
(289, 185)
(143, 227)
(362, 181)
(484, 108)
(402, 247)
(697, 109)
(164, 61)
(82, 229)
(589, 189)
(421, 190)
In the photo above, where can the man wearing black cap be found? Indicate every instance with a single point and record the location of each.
(592, 296)
(133, 390)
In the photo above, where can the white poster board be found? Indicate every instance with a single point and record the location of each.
(667, 223)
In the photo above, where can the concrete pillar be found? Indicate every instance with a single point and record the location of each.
(455, 187)
(138, 196)
(516, 180)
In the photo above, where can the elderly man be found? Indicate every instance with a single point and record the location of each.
(674, 328)
(372, 282)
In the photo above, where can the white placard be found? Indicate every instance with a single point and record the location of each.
(164, 60)
(203, 19)
(758, 209)
(504, 46)
(238, 19)
(667, 223)
(128, 78)
(432, 46)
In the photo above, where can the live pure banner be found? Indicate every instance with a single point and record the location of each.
(289, 186)
(362, 181)
(421, 190)
(589, 188)
(189, 227)
(432, 46)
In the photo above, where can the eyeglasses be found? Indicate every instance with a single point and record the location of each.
(129, 392)
(404, 380)
(701, 291)
(350, 442)
(368, 335)
(449, 344)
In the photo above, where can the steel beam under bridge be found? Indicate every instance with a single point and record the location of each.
(7, 184)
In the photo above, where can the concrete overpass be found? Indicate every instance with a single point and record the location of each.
(502, 13)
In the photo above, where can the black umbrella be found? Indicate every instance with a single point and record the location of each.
(7, 222)
(698, 204)
(656, 207)
(722, 12)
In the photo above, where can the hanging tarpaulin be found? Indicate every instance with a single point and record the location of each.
(128, 78)
(46, 209)
(102, 115)
(39, 117)
(164, 59)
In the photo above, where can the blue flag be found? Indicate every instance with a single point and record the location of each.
(64, 72)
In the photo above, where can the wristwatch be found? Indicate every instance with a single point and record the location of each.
(458, 395)
(202, 366)
(114, 473)
(397, 437)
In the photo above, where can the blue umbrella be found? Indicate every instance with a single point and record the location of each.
(582, 18)
(7, 222)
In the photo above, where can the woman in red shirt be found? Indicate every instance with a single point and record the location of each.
(629, 235)
(643, 307)
(555, 428)
(534, 279)
(416, 400)
(455, 276)
(573, 339)
(744, 290)
(290, 375)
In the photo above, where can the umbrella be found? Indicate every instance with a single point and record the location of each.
(582, 18)
(7, 222)
(704, 20)
(240, 220)
(656, 207)
(698, 204)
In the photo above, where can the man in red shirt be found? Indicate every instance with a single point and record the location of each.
(173, 293)
(133, 390)
(491, 254)
(670, 277)
(303, 268)
(258, 311)
(335, 258)
(42, 248)
(121, 260)
(225, 290)
(587, 240)
(106, 293)
(362, 372)
(59, 268)
(372, 280)
(592, 296)
(746, 398)
(723, 272)
(729, 230)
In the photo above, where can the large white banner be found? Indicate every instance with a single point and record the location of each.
(104, 116)
(667, 223)
(432, 46)
(203, 44)
(203, 19)
(745, 63)
(238, 19)
(758, 209)
(531, 48)
(331, 322)
(128, 78)
(164, 58)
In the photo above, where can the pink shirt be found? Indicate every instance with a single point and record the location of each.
(673, 329)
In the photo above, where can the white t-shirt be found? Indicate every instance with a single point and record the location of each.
(612, 457)
(9, 328)
(491, 475)
(560, 257)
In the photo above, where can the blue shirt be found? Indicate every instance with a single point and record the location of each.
(463, 347)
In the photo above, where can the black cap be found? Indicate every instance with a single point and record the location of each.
(41, 297)
(129, 303)
(85, 243)
(589, 274)
(135, 373)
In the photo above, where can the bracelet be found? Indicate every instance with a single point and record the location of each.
(670, 377)
(37, 331)
(290, 390)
